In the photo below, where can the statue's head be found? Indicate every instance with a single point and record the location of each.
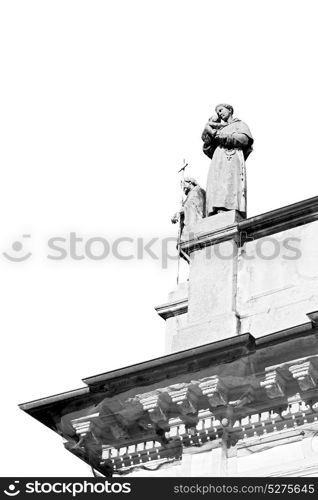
(188, 183)
(224, 111)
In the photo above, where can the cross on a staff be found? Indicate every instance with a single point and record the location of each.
(182, 169)
(184, 166)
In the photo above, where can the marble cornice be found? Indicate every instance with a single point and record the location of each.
(281, 219)
(208, 238)
(222, 351)
(56, 400)
(230, 390)
(259, 226)
(174, 308)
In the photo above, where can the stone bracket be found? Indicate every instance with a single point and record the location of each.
(214, 390)
(305, 374)
(185, 396)
(274, 384)
(157, 405)
(83, 425)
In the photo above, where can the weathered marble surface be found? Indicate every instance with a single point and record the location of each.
(278, 291)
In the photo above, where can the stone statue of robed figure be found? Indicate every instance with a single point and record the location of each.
(228, 142)
(193, 206)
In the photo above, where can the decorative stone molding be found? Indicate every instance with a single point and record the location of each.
(274, 384)
(174, 308)
(156, 404)
(305, 374)
(214, 390)
(83, 425)
(208, 434)
(281, 219)
(82, 428)
(185, 396)
(211, 236)
(118, 430)
(246, 397)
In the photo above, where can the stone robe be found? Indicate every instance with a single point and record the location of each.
(228, 150)
(193, 209)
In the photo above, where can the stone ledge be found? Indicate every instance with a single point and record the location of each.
(210, 231)
(298, 331)
(281, 219)
(220, 350)
(174, 308)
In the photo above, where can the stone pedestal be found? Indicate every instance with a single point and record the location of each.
(212, 282)
(210, 312)
(256, 275)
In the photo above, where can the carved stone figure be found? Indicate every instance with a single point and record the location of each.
(193, 207)
(228, 142)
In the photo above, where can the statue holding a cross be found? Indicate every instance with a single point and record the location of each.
(192, 207)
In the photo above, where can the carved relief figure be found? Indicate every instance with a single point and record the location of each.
(228, 142)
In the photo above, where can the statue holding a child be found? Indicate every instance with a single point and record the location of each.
(227, 142)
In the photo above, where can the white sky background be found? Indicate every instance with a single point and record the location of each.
(100, 102)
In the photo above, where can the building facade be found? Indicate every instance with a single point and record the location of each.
(236, 393)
